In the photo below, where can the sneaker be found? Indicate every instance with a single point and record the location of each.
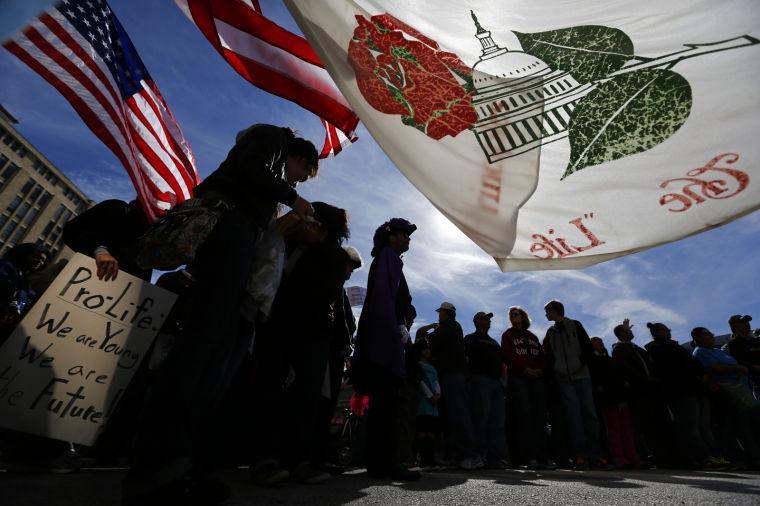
(715, 464)
(441, 461)
(498, 464)
(307, 474)
(602, 465)
(333, 469)
(581, 464)
(470, 464)
(403, 473)
(268, 473)
(533, 464)
(548, 465)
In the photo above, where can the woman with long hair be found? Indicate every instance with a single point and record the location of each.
(526, 365)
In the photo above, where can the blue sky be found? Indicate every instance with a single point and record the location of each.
(699, 281)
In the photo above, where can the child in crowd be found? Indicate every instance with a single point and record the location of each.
(428, 423)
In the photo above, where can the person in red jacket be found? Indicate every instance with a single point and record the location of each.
(526, 362)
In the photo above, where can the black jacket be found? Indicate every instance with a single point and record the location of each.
(252, 177)
(309, 298)
(608, 385)
(113, 224)
(676, 371)
(635, 366)
(447, 348)
(484, 355)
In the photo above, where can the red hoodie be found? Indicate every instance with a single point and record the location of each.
(521, 350)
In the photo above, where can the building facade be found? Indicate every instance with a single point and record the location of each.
(36, 198)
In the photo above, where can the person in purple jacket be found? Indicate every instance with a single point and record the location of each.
(379, 355)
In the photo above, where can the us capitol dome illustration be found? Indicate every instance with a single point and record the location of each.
(521, 103)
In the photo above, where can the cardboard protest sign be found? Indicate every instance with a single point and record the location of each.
(356, 295)
(67, 364)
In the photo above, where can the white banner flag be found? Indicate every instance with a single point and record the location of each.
(557, 134)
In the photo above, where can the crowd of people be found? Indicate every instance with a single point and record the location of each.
(262, 343)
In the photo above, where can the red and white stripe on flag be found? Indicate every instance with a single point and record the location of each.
(335, 140)
(81, 49)
(271, 57)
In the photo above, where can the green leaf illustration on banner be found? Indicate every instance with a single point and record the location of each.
(587, 52)
(628, 114)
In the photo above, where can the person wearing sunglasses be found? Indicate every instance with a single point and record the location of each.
(526, 362)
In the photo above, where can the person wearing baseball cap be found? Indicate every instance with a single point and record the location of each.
(486, 366)
(379, 367)
(745, 347)
(447, 355)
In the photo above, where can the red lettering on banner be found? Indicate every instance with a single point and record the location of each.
(490, 189)
(698, 190)
(547, 247)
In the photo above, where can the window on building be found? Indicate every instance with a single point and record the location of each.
(22, 151)
(14, 204)
(3, 160)
(58, 212)
(9, 172)
(31, 216)
(23, 210)
(44, 199)
(27, 186)
(8, 231)
(3, 219)
(48, 228)
(35, 194)
(66, 216)
(8, 139)
(18, 236)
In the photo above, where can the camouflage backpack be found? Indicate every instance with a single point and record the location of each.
(174, 239)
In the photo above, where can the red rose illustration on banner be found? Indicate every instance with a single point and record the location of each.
(400, 71)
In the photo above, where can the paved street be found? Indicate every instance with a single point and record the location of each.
(101, 488)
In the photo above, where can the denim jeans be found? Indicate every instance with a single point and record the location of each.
(460, 443)
(686, 416)
(529, 407)
(488, 417)
(583, 424)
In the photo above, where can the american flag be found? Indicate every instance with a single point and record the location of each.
(275, 60)
(335, 140)
(80, 48)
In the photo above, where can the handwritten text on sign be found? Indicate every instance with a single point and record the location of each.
(64, 368)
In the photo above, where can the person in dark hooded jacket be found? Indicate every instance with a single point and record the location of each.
(260, 172)
(304, 314)
(109, 232)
